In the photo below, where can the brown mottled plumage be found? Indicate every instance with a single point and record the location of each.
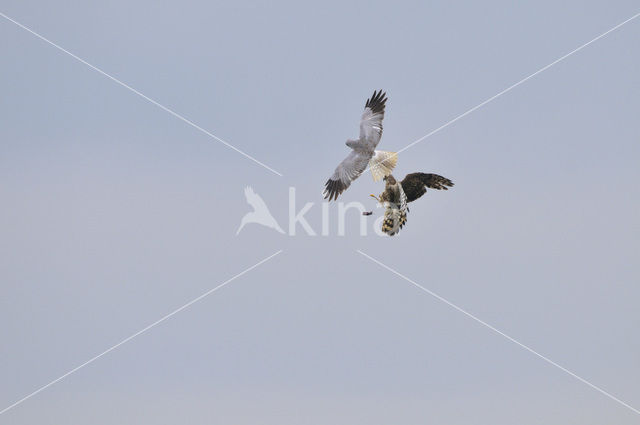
(395, 201)
(415, 184)
(396, 196)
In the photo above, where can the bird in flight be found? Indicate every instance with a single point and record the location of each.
(363, 151)
(397, 195)
(394, 199)
(260, 213)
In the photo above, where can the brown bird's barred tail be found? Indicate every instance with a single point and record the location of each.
(389, 227)
(394, 220)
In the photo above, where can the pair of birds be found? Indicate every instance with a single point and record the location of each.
(396, 194)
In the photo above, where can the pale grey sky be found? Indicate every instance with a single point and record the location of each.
(116, 213)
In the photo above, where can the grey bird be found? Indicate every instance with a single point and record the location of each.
(363, 151)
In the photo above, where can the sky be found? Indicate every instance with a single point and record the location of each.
(116, 213)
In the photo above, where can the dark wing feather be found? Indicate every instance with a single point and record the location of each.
(376, 102)
(333, 188)
(347, 171)
(415, 184)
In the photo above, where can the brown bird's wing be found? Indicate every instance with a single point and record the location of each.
(415, 184)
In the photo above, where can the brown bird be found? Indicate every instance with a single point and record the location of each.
(397, 195)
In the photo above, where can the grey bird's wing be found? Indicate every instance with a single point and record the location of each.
(371, 121)
(348, 170)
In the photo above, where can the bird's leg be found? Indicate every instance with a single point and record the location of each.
(379, 202)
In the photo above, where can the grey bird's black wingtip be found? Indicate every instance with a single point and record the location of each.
(377, 101)
(333, 188)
